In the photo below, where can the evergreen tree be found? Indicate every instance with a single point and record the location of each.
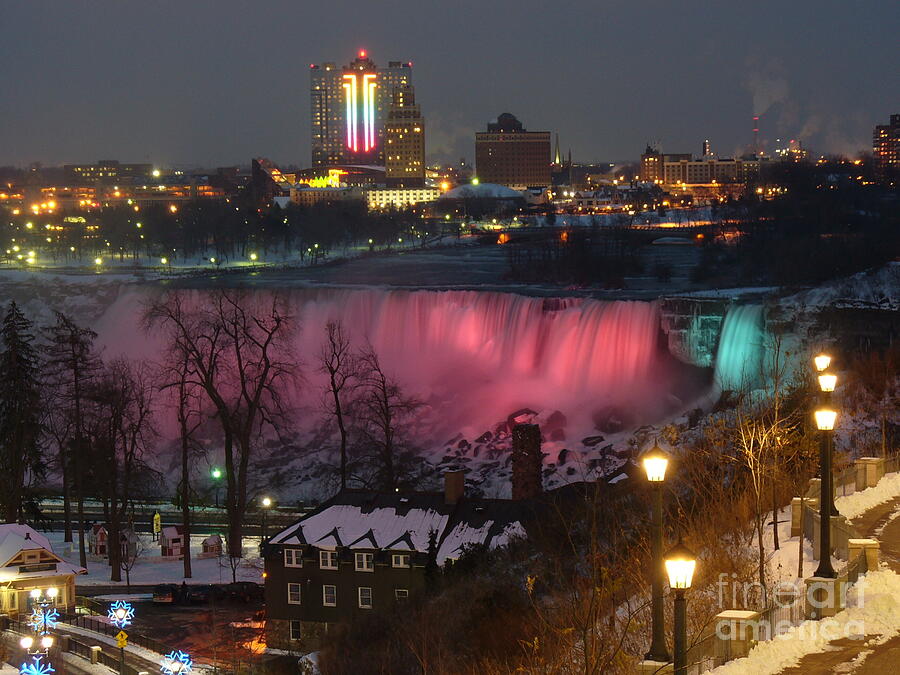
(20, 412)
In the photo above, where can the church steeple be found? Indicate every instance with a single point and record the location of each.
(557, 160)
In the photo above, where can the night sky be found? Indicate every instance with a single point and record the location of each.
(216, 82)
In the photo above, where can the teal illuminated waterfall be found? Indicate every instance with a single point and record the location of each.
(739, 358)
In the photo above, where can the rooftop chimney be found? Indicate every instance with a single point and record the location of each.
(454, 486)
(527, 461)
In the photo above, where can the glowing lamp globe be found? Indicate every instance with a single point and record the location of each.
(266, 502)
(26, 642)
(35, 593)
(822, 361)
(655, 462)
(680, 564)
(825, 419)
(46, 642)
(52, 592)
(827, 382)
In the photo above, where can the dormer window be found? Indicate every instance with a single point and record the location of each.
(364, 562)
(400, 560)
(328, 560)
(293, 557)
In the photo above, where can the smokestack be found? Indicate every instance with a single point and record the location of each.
(454, 486)
(527, 461)
(756, 134)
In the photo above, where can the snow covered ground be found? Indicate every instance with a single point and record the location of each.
(873, 610)
(150, 568)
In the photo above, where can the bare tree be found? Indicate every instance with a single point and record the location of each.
(383, 409)
(239, 358)
(119, 429)
(70, 365)
(339, 363)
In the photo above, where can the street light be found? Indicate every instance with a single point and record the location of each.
(216, 474)
(822, 361)
(825, 419)
(680, 565)
(266, 504)
(827, 384)
(655, 462)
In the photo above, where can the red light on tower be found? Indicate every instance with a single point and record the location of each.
(362, 53)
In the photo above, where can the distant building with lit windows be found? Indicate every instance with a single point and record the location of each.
(404, 141)
(348, 108)
(508, 154)
(886, 148)
(400, 197)
(108, 171)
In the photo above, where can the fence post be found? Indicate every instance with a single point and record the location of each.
(95, 653)
(867, 547)
(869, 471)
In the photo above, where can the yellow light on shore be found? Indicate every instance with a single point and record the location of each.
(164, 261)
(680, 565)
(253, 257)
(827, 382)
(98, 261)
(825, 419)
(822, 361)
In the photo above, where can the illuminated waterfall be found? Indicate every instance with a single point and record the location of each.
(739, 358)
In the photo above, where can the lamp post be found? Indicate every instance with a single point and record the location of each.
(827, 383)
(266, 504)
(121, 614)
(43, 619)
(655, 461)
(216, 474)
(680, 565)
(825, 419)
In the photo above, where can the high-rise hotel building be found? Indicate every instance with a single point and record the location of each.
(404, 141)
(886, 149)
(510, 155)
(349, 107)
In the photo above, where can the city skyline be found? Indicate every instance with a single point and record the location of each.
(208, 88)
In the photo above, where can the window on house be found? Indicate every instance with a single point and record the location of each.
(401, 593)
(400, 560)
(328, 560)
(295, 630)
(293, 557)
(365, 562)
(329, 595)
(293, 594)
(365, 597)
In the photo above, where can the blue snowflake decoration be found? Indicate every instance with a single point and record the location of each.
(176, 663)
(43, 619)
(36, 667)
(121, 614)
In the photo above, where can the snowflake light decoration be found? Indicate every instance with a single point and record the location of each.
(121, 614)
(36, 667)
(176, 663)
(43, 620)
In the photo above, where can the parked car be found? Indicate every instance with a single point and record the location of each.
(245, 591)
(165, 593)
(200, 595)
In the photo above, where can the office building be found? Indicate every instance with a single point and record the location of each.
(404, 141)
(886, 149)
(348, 107)
(652, 162)
(508, 154)
(108, 171)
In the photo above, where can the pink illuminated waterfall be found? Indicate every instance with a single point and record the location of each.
(474, 357)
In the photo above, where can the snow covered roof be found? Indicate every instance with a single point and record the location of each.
(15, 538)
(360, 519)
(481, 191)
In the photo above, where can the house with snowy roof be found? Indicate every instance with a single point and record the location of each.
(28, 562)
(365, 550)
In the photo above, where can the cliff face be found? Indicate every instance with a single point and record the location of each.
(692, 327)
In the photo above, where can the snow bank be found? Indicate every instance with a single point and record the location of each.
(858, 503)
(873, 610)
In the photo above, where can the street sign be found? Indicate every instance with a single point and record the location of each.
(157, 523)
(121, 639)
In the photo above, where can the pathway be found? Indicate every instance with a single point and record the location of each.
(854, 656)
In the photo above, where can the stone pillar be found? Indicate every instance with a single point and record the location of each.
(64, 643)
(869, 471)
(737, 631)
(867, 547)
(95, 653)
(527, 461)
(824, 597)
